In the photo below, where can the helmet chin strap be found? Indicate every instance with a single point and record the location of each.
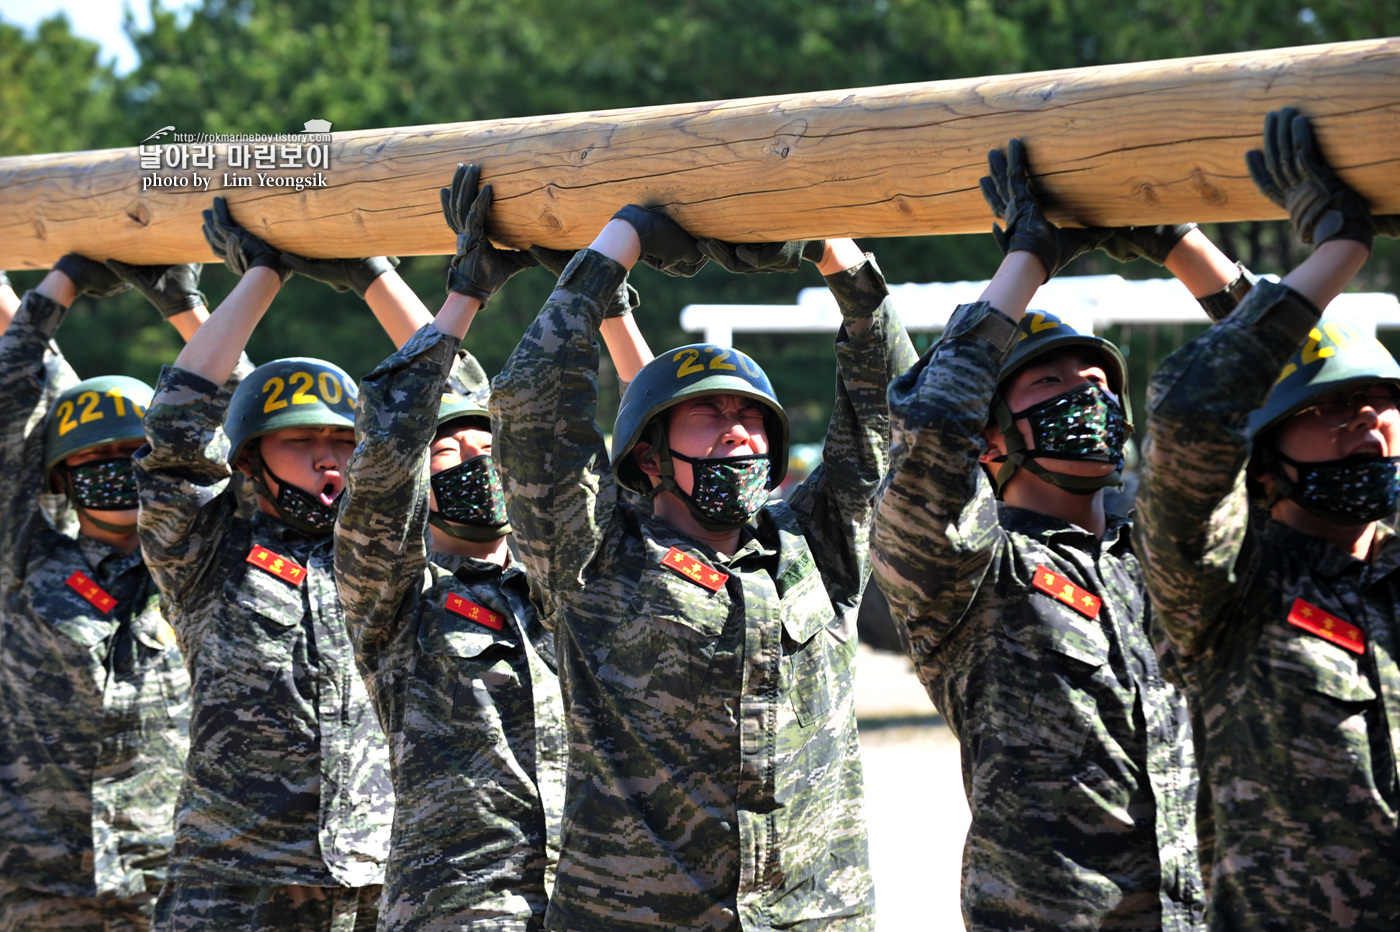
(657, 436)
(1018, 455)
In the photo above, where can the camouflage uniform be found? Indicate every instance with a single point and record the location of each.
(94, 698)
(471, 705)
(714, 774)
(1076, 755)
(1297, 735)
(287, 780)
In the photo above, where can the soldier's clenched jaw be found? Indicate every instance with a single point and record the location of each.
(299, 473)
(717, 446)
(1337, 458)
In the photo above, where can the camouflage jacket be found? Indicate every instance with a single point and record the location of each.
(94, 698)
(1297, 734)
(714, 775)
(287, 780)
(1031, 636)
(459, 668)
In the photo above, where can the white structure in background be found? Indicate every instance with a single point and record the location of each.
(1099, 300)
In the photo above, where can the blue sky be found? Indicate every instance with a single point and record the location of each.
(99, 20)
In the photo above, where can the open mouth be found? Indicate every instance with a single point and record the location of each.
(328, 493)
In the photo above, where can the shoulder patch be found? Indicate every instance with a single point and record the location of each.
(460, 606)
(1082, 601)
(284, 568)
(1327, 626)
(91, 591)
(693, 570)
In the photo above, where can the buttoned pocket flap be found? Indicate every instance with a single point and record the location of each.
(448, 634)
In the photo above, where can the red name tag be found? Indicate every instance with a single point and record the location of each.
(92, 592)
(693, 570)
(283, 568)
(1085, 603)
(460, 606)
(1325, 625)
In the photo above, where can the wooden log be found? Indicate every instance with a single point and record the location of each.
(1152, 142)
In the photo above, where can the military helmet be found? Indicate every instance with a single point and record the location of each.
(93, 413)
(1334, 356)
(686, 372)
(292, 392)
(1042, 332)
(454, 406)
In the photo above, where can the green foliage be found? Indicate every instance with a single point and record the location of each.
(264, 66)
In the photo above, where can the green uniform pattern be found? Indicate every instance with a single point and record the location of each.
(287, 780)
(472, 709)
(714, 776)
(1076, 754)
(1297, 735)
(94, 704)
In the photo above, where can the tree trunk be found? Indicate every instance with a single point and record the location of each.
(1153, 142)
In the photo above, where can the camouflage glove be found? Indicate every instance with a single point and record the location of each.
(665, 246)
(479, 269)
(89, 276)
(239, 249)
(173, 289)
(1292, 173)
(748, 258)
(623, 302)
(341, 274)
(1008, 192)
(1151, 243)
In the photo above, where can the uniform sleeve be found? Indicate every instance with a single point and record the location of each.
(936, 527)
(835, 504)
(32, 374)
(559, 487)
(467, 377)
(1192, 504)
(381, 534)
(182, 473)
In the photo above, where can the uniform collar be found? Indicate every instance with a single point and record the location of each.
(107, 562)
(1326, 558)
(1117, 530)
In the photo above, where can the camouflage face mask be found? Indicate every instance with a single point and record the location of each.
(728, 490)
(470, 493)
(104, 485)
(303, 510)
(1084, 423)
(1355, 490)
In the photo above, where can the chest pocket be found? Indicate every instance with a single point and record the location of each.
(273, 605)
(1047, 671)
(467, 666)
(660, 651)
(1323, 692)
(818, 669)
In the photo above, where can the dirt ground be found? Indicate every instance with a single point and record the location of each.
(914, 800)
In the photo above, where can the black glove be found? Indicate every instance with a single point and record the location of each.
(1387, 225)
(341, 274)
(622, 303)
(239, 249)
(748, 258)
(1008, 191)
(479, 269)
(1151, 243)
(173, 289)
(89, 276)
(1292, 173)
(665, 246)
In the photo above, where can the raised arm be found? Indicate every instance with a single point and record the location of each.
(1192, 497)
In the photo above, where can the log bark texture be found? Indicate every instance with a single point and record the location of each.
(1153, 142)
